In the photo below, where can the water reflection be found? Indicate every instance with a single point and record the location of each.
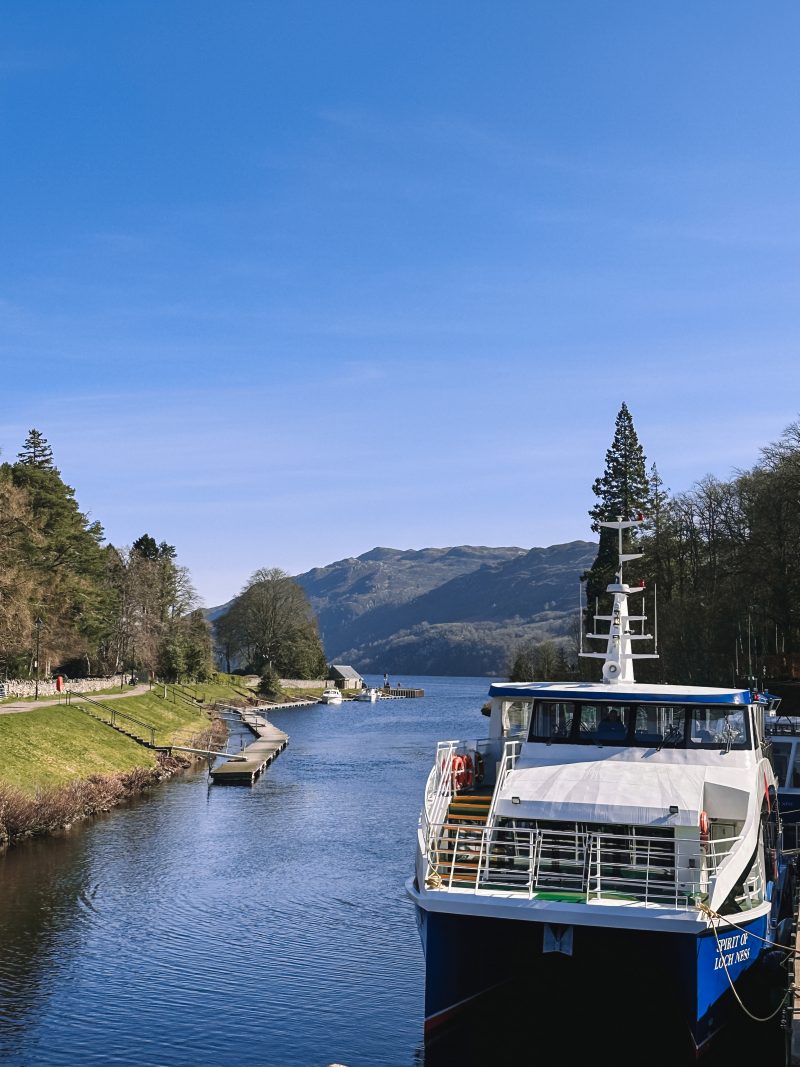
(46, 894)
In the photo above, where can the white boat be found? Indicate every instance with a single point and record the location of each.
(331, 695)
(612, 838)
(783, 732)
(369, 695)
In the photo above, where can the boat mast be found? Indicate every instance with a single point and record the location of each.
(619, 655)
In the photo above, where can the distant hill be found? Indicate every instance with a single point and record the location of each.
(457, 611)
(460, 610)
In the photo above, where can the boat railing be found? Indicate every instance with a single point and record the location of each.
(583, 865)
(511, 751)
(439, 787)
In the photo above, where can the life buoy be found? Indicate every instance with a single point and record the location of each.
(468, 776)
(457, 770)
(704, 828)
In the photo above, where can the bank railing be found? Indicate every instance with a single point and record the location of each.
(120, 720)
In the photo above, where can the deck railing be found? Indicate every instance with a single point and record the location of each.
(581, 864)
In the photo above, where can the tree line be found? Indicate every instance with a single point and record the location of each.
(87, 607)
(721, 564)
(71, 603)
(723, 559)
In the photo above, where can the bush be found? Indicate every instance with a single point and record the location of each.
(270, 684)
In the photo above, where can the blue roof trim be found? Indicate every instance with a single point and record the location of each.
(547, 691)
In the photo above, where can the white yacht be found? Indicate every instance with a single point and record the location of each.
(331, 695)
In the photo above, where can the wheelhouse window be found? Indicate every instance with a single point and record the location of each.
(516, 716)
(640, 725)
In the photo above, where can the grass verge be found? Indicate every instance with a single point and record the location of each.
(58, 764)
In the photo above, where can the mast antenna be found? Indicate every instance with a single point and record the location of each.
(619, 655)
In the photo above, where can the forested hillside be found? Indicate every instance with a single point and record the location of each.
(91, 608)
(462, 610)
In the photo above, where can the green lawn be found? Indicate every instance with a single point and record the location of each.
(49, 746)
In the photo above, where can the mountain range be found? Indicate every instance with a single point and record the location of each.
(453, 611)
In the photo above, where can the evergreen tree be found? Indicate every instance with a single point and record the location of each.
(623, 491)
(198, 650)
(36, 452)
(70, 561)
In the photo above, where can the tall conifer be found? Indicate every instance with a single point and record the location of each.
(623, 490)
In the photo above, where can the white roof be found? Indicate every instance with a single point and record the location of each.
(626, 788)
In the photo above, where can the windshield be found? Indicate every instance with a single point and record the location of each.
(640, 725)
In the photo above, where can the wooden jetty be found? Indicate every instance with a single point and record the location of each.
(247, 765)
(389, 693)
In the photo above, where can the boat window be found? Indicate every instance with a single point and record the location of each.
(552, 721)
(516, 716)
(780, 762)
(659, 725)
(612, 729)
(641, 725)
(719, 725)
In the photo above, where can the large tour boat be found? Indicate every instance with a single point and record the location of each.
(610, 847)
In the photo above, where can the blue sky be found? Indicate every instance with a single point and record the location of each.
(281, 282)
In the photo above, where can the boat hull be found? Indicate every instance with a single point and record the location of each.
(673, 982)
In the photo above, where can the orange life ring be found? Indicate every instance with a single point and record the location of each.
(704, 828)
(457, 769)
(468, 777)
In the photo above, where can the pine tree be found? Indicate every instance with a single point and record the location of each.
(623, 491)
(36, 452)
(70, 562)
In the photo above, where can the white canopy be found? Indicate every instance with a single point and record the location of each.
(624, 791)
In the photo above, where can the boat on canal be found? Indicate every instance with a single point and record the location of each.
(612, 851)
(783, 731)
(368, 695)
(331, 695)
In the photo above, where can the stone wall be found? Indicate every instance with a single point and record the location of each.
(16, 687)
(306, 683)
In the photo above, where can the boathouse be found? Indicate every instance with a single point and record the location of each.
(345, 677)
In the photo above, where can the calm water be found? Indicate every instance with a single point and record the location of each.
(238, 925)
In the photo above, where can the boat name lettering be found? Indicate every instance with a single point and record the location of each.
(732, 951)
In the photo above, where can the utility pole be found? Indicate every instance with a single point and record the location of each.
(38, 623)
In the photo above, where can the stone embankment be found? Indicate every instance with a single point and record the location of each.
(18, 687)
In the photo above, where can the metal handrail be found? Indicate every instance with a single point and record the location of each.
(116, 714)
(586, 865)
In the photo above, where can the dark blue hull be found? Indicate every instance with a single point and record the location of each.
(631, 981)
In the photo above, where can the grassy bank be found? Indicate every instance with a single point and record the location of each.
(50, 746)
(58, 764)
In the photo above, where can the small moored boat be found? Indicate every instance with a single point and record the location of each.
(331, 695)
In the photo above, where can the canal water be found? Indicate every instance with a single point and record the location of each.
(238, 925)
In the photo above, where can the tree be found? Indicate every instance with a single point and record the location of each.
(198, 648)
(271, 624)
(545, 661)
(70, 560)
(623, 491)
(36, 452)
(270, 684)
